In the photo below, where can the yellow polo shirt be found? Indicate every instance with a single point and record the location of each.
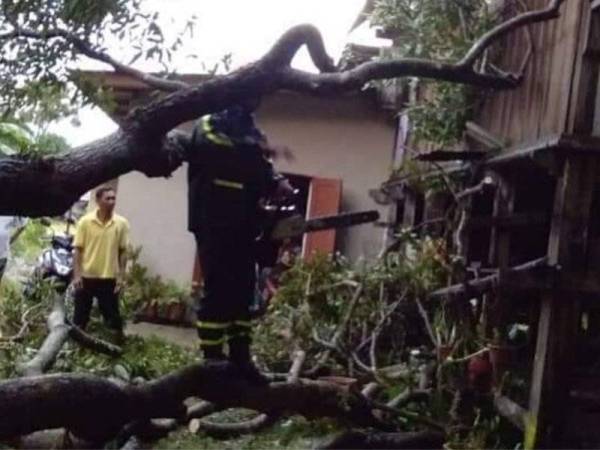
(100, 244)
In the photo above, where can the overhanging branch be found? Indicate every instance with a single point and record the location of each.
(549, 12)
(46, 186)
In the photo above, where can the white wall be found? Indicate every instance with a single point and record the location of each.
(346, 138)
(157, 211)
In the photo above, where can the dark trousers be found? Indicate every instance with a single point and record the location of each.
(108, 302)
(3, 262)
(228, 267)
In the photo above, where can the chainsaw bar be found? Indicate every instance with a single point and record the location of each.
(297, 225)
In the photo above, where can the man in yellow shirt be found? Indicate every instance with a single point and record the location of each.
(101, 242)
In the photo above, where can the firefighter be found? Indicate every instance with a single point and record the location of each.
(228, 174)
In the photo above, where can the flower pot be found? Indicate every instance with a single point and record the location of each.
(176, 312)
(480, 372)
(150, 311)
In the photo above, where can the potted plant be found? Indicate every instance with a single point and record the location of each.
(177, 308)
(445, 335)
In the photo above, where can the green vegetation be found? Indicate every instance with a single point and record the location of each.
(292, 433)
(143, 287)
(439, 30)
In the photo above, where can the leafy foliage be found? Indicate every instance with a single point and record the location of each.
(17, 139)
(37, 74)
(293, 433)
(315, 297)
(440, 30)
(31, 241)
(141, 286)
(142, 357)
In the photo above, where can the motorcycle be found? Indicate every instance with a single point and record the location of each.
(56, 262)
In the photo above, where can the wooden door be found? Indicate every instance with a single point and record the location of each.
(324, 197)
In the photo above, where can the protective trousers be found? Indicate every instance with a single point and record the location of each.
(228, 268)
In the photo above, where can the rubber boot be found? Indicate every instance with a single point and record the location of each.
(239, 354)
(213, 354)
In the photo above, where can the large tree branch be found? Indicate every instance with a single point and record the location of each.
(96, 409)
(284, 50)
(355, 79)
(549, 12)
(47, 186)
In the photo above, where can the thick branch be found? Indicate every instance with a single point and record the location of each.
(531, 17)
(356, 78)
(93, 343)
(48, 186)
(96, 409)
(284, 50)
(58, 334)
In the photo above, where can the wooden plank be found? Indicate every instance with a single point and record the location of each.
(484, 284)
(504, 203)
(550, 74)
(409, 218)
(558, 318)
(584, 78)
(566, 56)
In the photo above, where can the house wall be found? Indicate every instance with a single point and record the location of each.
(544, 104)
(345, 138)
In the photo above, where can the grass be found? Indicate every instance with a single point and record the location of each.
(292, 433)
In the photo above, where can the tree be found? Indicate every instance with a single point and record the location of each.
(40, 39)
(64, 29)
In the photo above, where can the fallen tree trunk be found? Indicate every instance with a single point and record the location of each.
(51, 439)
(59, 331)
(96, 409)
(58, 334)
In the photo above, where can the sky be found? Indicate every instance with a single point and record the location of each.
(244, 28)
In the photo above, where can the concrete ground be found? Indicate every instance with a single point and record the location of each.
(186, 337)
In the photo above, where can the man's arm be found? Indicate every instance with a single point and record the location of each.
(77, 258)
(123, 247)
(122, 269)
(78, 249)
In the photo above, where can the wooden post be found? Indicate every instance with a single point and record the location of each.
(558, 320)
(500, 238)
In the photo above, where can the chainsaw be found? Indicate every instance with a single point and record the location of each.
(297, 225)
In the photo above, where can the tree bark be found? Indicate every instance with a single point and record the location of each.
(58, 334)
(93, 343)
(96, 409)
